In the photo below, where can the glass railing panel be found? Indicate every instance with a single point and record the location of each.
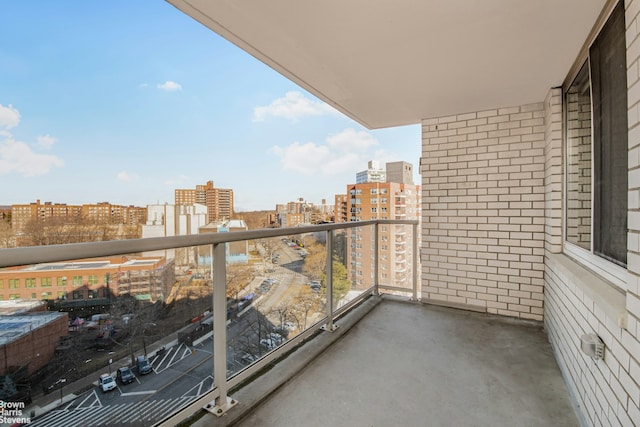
(124, 330)
(360, 256)
(275, 296)
(396, 259)
(353, 269)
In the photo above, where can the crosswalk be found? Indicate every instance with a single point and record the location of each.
(89, 411)
(170, 357)
(132, 414)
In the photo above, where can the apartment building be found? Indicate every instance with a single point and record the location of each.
(145, 278)
(373, 173)
(341, 208)
(219, 201)
(398, 199)
(103, 212)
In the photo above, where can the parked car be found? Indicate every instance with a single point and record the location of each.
(106, 383)
(124, 375)
(289, 326)
(144, 367)
(315, 285)
(272, 340)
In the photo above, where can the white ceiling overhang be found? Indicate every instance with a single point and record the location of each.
(388, 63)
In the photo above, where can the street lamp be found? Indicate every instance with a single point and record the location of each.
(61, 381)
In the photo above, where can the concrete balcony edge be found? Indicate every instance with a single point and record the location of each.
(260, 387)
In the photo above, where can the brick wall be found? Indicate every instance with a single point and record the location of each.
(36, 348)
(483, 210)
(578, 302)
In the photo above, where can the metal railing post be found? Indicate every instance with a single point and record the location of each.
(330, 326)
(222, 403)
(415, 261)
(376, 267)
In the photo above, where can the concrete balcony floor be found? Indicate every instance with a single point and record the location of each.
(411, 364)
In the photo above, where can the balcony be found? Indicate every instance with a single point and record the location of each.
(460, 367)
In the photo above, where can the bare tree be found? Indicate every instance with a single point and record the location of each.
(238, 278)
(306, 302)
(7, 237)
(315, 261)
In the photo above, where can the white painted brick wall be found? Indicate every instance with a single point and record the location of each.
(492, 211)
(607, 391)
(483, 209)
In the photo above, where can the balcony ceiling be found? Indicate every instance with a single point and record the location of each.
(388, 63)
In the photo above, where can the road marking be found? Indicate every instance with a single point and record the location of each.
(138, 393)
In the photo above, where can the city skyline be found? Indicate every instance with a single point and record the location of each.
(91, 111)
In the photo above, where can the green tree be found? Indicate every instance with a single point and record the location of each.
(341, 283)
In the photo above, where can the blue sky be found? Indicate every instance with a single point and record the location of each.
(125, 101)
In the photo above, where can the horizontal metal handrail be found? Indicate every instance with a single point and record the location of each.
(55, 253)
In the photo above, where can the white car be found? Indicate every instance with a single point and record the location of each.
(107, 383)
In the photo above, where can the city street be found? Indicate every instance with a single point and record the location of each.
(182, 373)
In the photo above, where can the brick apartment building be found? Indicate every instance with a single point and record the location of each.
(219, 201)
(144, 278)
(102, 212)
(376, 197)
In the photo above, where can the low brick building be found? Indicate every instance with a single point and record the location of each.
(30, 340)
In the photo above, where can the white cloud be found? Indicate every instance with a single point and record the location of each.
(170, 86)
(46, 141)
(126, 176)
(346, 151)
(303, 158)
(9, 116)
(16, 156)
(143, 85)
(351, 139)
(292, 106)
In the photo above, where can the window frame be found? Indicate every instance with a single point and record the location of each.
(609, 270)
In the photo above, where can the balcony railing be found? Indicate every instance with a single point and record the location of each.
(208, 252)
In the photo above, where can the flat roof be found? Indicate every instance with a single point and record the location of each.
(14, 327)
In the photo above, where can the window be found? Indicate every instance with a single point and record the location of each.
(596, 152)
(374, 201)
(77, 281)
(45, 295)
(14, 296)
(77, 295)
(374, 210)
(1, 284)
(30, 282)
(62, 295)
(93, 279)
(45, 282)
(14, 283)
(374, 191)
(61, 281)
